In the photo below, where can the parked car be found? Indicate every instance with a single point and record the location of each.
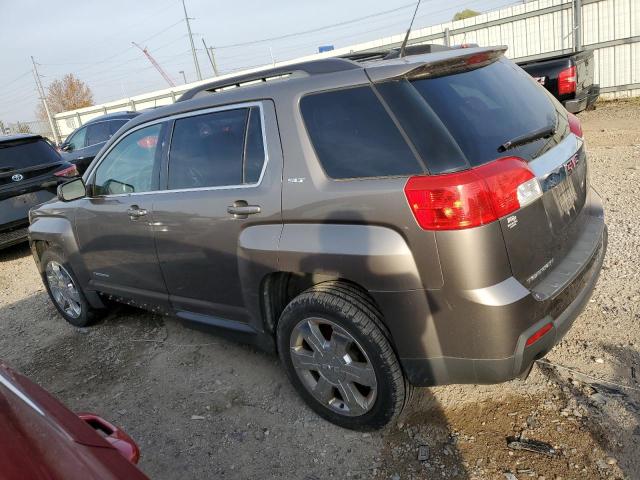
(569, 77)
(85, 142)
(41, 439)
(380, 224)
(30, 171)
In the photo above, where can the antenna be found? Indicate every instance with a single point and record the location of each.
(406, 37)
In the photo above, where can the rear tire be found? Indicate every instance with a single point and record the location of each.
(337, 354)
(64, 291)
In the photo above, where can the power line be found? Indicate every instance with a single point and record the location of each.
(319, 29)
(298, 47)
(15, 79)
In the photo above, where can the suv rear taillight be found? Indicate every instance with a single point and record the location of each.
(574, 125)
(567, 81)
(473, 197)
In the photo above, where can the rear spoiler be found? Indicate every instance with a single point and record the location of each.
(437, 64)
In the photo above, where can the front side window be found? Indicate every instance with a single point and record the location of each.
(97, 133)
(216, 149)
(76, 141)
(354, 136)
(131, 166)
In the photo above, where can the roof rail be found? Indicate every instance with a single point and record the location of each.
(313, 67)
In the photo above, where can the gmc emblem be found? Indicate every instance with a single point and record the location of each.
(571, 164)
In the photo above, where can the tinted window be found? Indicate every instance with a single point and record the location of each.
(254, 148)
(354, 136)
(97, 133)
(208, 150)
(115, 125)
(19, 154)
(486, 107)
(77, 139)
(130, 166)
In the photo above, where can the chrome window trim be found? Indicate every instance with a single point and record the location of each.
(554, 159)
(195, 113)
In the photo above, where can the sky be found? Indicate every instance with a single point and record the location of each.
(92, 39)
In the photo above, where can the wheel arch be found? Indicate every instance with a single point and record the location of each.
(58, 233)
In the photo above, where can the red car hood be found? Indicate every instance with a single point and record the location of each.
(41, 439)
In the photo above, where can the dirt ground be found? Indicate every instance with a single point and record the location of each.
(203, 407)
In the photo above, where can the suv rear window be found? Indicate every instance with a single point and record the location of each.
(25, 153)
(480, 110)
(354, 136)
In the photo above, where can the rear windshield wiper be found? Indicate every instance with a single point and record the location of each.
(544, 132)
(6, 169)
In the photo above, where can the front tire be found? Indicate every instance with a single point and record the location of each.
(337, 354)
(64, 291)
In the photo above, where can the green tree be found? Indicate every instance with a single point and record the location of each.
(466, 13)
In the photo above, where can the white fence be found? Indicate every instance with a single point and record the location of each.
(531, 30)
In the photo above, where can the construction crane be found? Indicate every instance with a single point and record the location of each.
(155, 64)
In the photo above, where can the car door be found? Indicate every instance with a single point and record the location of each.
(114, 221)
(222, 177)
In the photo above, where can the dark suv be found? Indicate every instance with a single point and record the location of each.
(380, 224)
(30, 172)
(84, 143)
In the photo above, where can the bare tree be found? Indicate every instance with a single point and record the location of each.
(65, 94)
(466, 13)
(21, 127)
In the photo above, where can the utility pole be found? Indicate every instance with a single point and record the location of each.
(577, 25)
(43, 97)
(211, 56)
(193, 47)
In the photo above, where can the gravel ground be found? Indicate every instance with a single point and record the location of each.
(202, 407)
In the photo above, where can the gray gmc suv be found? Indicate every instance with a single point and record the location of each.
(379, 222)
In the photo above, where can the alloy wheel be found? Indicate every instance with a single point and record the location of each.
(333, 366)
(63, 289)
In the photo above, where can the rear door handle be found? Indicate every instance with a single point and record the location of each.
(136, 212)
(241, 209)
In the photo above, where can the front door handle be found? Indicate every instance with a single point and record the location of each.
(241, 209)
(136, 212)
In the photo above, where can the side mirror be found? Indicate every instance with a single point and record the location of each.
(114, 187)
(66, 147)
(72, 190)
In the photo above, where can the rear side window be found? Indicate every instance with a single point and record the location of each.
(97, 133)
(18, 154)
(217, 149)
(354, 136)
(254, 148)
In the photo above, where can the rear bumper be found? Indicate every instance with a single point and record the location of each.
(446, 370)
(479, 336)
(586, 99)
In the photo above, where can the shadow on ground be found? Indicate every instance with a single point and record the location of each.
(14, 252)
